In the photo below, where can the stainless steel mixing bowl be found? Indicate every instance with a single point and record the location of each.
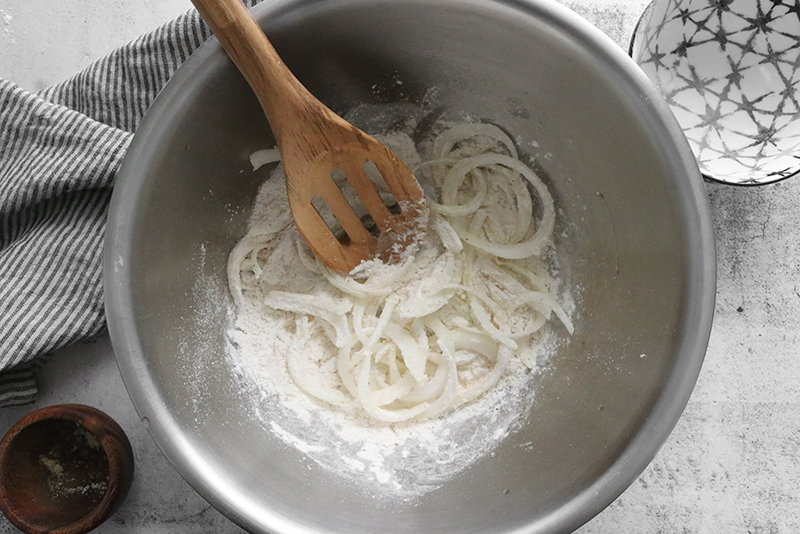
(635, 244)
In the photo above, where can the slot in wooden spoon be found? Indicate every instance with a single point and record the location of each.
(314, 143)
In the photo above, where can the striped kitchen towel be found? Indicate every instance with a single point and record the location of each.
(60, 150)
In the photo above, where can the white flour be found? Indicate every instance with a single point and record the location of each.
(401, 460)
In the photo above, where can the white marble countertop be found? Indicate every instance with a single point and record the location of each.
(732, 464)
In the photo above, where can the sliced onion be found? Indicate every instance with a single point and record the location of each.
(263, 157)
(344, 371)
(309, 385)
(386, 316)
(447, 234)
(247, 247)
(480, 343)
(452, 181)
(444, 143)
(367, 398)
(504, 354)
(414, 357)
(449, 392)
(485, 321)
(540, 238)
(389, 394)
(524, 209)
(374, 286)
(350, 286)
(315, 305)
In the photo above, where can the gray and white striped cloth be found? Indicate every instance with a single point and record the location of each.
(60, 150)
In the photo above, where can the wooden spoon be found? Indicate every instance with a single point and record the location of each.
(314, 142)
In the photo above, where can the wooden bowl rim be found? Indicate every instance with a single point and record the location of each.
(117, 449)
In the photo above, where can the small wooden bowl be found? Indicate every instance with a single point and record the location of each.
(64, 470)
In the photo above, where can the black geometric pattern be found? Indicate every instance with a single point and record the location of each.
(730, 71)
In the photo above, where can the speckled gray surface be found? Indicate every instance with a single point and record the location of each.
(732, 464)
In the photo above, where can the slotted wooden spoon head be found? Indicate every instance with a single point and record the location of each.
(310, 183)
(315, 143)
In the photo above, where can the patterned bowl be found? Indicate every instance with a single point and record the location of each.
(730, 71)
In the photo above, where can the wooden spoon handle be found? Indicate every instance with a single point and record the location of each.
(281, 95)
